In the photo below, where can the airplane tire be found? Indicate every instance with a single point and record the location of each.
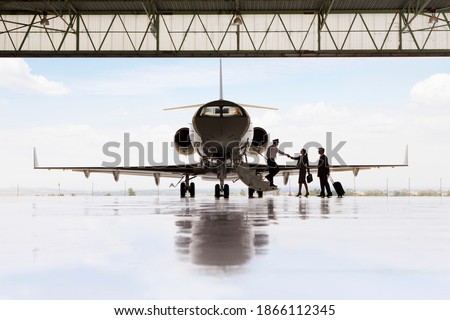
(182, 190)
(251, 192)
(217, 191)
(226, 191)
(260, 194)
(192, 190)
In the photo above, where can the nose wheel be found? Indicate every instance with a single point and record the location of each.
(222, 192)
(192, 190)
(251, 193)
(185, 188)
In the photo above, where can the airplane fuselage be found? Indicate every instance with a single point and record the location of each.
(221, 129)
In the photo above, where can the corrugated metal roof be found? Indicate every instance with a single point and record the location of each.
(211, 6)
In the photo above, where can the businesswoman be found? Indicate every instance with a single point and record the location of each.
(303, 165)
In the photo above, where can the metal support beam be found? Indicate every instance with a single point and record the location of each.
(414, 7)
(153, 34)
(324, 12)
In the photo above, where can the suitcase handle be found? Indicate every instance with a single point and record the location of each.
(331, 179)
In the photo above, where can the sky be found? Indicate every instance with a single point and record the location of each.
(69, 108)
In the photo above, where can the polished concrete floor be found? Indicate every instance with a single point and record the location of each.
(271, 248)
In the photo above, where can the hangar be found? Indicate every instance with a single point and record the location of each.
(224, 28)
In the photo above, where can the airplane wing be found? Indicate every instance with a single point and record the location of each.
(179, 171)
(169, 171)
(287, 170)
(334, 168)
(342, 168)
(199, 105)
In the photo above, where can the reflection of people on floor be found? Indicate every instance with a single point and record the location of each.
(325, 208)
(303, 210)
(323, 171)
(271, 156)
(271, 210)
(303, 165)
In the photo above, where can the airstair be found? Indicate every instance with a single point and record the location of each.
(252, 179)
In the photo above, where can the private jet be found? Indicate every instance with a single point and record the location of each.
(223, 136)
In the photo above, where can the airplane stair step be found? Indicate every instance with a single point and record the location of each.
(253, 180)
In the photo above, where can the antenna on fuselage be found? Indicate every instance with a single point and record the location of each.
(221, 83)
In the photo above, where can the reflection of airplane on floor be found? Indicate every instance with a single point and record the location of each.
(224, 236)
(222, 135)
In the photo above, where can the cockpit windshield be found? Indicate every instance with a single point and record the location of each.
(210, 112)
(231, 112)
(221, 111)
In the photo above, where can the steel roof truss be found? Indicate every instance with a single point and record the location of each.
(287, 32)
(414, 7)
(407, 25)
(169, 33)
(207, 33)
(308, 32)
(267, 32)
(368, 31)
(348, 32)
(277, 34)
(186, 33)
(324, 12)
(389, 30)
(87, 33)
(248, 34)
(230, 23)
(69, 27)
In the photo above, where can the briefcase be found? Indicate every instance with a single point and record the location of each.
(309, 178)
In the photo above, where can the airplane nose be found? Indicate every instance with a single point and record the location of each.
(219, 138)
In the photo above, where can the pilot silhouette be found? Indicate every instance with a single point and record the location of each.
(271, 155)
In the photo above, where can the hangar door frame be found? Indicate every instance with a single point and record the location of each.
(274, 34)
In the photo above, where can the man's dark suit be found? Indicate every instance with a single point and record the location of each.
(323, 171)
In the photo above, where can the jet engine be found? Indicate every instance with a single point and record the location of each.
(260, 141)
(182, 142)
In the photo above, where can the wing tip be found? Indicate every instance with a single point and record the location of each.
(35, 159)
(406, 161)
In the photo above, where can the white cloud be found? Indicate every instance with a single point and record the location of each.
(433, 91)
(17, 75)
(321, 114)
(269, 119)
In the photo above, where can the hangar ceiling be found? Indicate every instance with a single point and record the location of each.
(203, 28)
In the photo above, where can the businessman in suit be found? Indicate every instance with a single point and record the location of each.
(323, 171)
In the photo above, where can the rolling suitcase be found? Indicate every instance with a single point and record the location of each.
(338, 188)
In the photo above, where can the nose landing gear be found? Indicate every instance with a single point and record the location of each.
(222, 191)
(251, 193)
(187, 187)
